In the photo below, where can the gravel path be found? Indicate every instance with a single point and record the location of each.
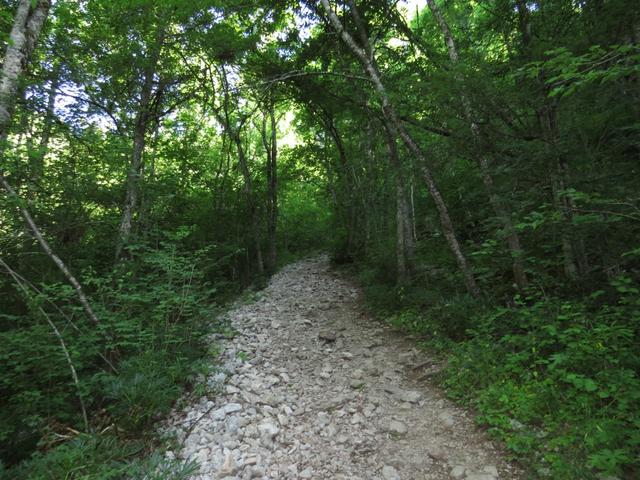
(313, 388)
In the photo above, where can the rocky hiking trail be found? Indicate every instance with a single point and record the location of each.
(311, 387)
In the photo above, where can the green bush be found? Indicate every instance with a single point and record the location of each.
(558, 381)
(98, 457)
(142, 389)
(556, 378)
(155, 310)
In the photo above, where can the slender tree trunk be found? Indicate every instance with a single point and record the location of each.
(346, 180)
(396, 128)
(405, 248)
(142, 121)
(575, 262)
(253, 210)
(271, 148)
(27, 24)
(524, 24)
(401, 260)
(330, 178)
(414, 233)
(148, 173)
(36, 160)
(368, 188)
(49, 251)
(133, 182)
(59, 337)
(499, 208)
(233, 130)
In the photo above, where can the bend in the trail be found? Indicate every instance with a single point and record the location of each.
(315, 389)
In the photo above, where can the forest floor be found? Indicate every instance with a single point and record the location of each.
(311, 387)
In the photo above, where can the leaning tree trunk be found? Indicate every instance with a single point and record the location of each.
(63, 345)
(26, 29)
(366, 57)
(499, 208)
(49, 251)
(27, 25)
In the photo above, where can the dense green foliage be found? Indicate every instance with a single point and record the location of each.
(480, 173)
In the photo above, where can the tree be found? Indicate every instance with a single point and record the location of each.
(270, 143)
(27, 25)
(504, 216)
(366, 55)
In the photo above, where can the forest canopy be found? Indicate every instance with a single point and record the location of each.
(474, 163)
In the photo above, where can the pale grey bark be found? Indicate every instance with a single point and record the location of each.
(37, 156)
(27, 25)
(499, 208)
(133, 183)
(365, 56)
(405, 247)
(49, 251)
(148, 172)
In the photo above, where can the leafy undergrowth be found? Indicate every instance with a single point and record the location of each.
(155, 312)
(100, 456)
(556, 380)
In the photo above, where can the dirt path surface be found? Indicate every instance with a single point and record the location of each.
(313, 388)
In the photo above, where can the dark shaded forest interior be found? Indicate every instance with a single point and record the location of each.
(474, 163)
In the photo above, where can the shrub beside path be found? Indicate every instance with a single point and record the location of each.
(313, 388)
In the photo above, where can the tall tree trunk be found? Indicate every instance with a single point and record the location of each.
(331, 184)
(524, 24)
(36, 160)
(499, 208)
(271, 148)
(142, 121)
(133, 182)
(26, 29)
(249, 194)
(148, 173)
(413, 233)
(347, 185)
(366, 57)
(574, 259)
(405, 247)
(233, 129)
